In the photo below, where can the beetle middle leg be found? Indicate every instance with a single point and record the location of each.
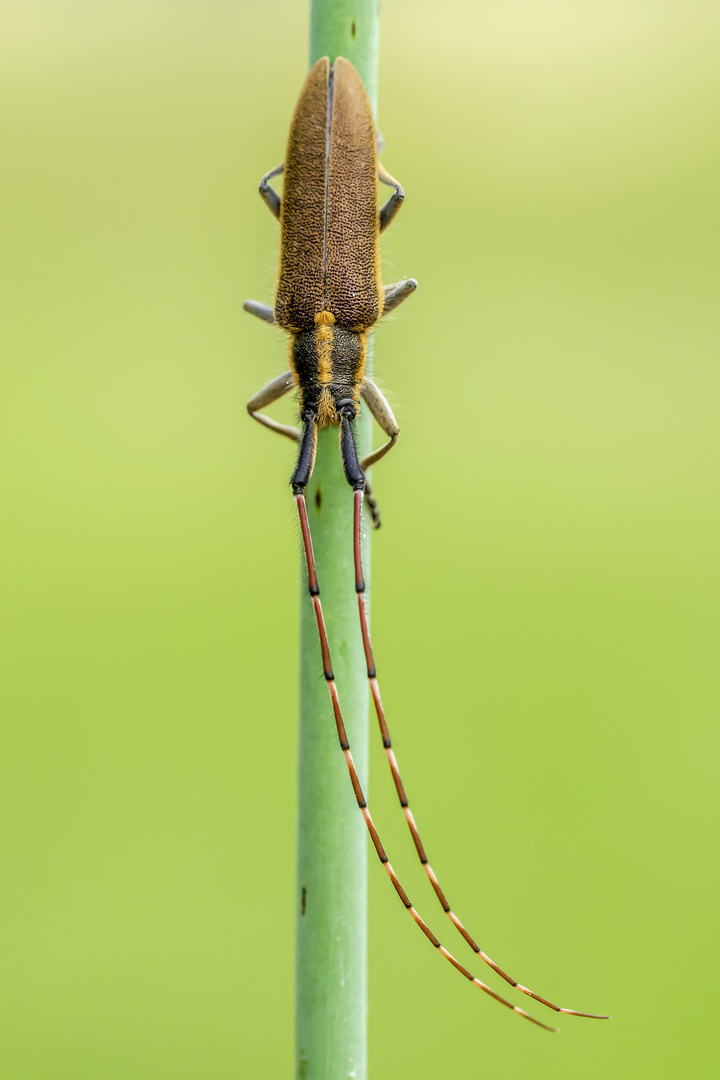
(270, 393)
(394, 295)
(269, 195)
(261, 311)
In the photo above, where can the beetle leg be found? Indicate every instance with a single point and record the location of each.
(262, 311)
(376, 402)
(269, 195)
(391, 207)
(371, 503)
(380, 409)
(272, 392)
(394, 295)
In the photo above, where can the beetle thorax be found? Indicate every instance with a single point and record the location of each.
(328, 362)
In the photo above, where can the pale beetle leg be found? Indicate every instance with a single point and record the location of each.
(270, 393)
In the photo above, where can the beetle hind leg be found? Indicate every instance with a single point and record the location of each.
(268, 194)
(391, 207)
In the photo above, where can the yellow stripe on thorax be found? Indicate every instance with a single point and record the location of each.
(324, 337)
(361, 364)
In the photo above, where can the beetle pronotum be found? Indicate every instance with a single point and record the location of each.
(329, 294)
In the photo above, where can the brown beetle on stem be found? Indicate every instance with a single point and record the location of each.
(329, 294)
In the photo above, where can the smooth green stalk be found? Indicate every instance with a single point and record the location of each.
(344, 28)
(331, 972)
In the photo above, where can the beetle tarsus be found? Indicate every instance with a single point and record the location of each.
(372, 506)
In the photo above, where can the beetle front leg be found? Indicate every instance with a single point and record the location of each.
(380, 409)
(273, 392)
(391, 207)
(269, 195)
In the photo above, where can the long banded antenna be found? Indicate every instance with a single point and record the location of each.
(314, 590)
(394, 768)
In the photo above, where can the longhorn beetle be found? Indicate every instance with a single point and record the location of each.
(328, 296)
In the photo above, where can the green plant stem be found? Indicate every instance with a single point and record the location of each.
(331, 966)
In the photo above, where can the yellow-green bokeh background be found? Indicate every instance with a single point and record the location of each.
(545, 586)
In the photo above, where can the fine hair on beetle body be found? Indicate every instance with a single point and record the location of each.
(329, 295)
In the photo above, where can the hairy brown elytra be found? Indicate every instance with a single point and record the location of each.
(329, 294)
(329, 221)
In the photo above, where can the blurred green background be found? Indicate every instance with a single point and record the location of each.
(545, 583)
